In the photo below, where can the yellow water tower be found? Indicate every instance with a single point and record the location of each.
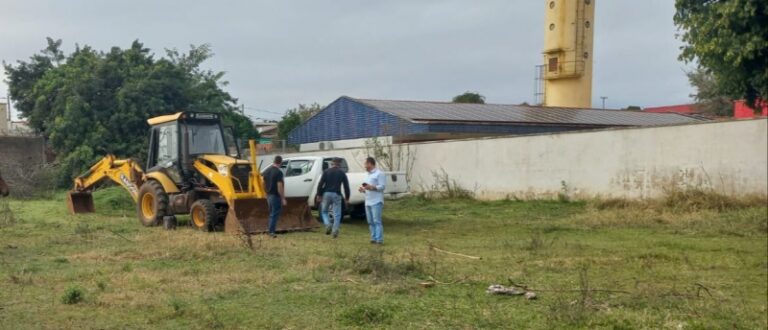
(567, 69)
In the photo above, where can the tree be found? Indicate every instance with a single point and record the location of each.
(21, 80)
(729, 40)
(469, 97)
(295, 117)
(709, 99)
(91, 103)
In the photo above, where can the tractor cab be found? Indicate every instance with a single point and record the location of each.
(176, 140)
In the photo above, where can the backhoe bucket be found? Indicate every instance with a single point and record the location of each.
(251, 216)
(80, 202)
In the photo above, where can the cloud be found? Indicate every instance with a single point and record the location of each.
(281, 53)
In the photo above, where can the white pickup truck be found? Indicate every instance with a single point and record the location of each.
(302, 174)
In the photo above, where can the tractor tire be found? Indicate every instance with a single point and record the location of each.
(204, 215)
(152, 205)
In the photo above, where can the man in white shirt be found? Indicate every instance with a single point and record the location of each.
(373, 187)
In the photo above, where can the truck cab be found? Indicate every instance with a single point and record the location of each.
(303, 173)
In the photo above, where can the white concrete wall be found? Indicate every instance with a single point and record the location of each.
(4, 121)
(730, 157)
(341, 144)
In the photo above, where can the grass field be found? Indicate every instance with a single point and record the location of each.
(606, 264)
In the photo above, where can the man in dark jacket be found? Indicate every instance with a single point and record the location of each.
(275, 187)
(329, 192)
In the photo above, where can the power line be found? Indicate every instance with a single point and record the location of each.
(264, 111)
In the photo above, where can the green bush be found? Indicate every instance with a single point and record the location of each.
(72, 295)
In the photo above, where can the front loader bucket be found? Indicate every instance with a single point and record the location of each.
(251, 216)
(80, 202)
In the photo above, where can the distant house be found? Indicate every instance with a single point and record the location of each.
(680, 108)
(267, 135)
(740, 109)
(13, 128)
(266, 129)
(404, 121)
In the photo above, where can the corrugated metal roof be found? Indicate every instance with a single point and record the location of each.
(421, 111)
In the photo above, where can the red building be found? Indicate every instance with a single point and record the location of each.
(740, 109)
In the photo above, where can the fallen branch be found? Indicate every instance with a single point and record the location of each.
(702, 287)
(454, 253)
(431, 281)
(588, 290)
(525, 287)
(121, 236)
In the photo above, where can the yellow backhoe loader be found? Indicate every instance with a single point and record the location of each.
(193, 167)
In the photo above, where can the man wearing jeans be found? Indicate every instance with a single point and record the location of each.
(329, 188)
(275, 187)
(373, 187)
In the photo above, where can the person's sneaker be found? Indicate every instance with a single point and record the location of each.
(373, 242)
(273, 235)
(335, 234)
(328, 230)
(380, 243)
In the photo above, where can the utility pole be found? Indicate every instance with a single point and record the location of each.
(604, 98)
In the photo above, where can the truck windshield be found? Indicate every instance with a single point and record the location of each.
(205, 138)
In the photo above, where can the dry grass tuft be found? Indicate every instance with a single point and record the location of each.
(685, 200)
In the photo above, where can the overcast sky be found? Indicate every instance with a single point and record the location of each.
(277, 54)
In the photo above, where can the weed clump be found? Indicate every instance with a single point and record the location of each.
(375, 264)
(367, 314)
(697, 199)
(617, 203)
(684, 200)
(61, 260)
(445, 187)
(7, 218)
(72, 295)
(177, 305)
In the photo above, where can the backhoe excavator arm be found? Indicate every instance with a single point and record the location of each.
(124, 172)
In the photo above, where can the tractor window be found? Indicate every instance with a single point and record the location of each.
(205, 139)
(167, 145)
(298, 167)
(233, 150)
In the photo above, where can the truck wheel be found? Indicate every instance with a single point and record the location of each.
(204, 215)
(344, 210)
(152, 205)
(358, 212)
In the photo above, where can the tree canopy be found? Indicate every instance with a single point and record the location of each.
(469, 97)
(729, 40)
(295, 117)
(91, 103)
(709, 99)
